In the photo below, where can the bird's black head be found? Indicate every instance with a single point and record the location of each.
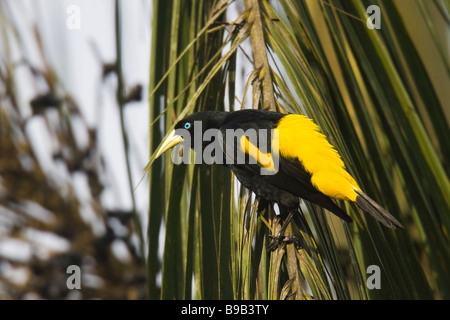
(193, 125)
(206, 120)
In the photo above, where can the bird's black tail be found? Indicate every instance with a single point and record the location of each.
(375, 210)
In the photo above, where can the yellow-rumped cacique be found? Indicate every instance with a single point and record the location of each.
(309, 167)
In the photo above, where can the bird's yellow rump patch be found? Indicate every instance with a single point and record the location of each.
(300, 138)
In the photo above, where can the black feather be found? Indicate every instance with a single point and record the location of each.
(375, 210)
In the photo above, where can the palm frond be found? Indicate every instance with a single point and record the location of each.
(373, 94)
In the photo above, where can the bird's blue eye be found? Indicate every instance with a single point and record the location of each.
(187, 125)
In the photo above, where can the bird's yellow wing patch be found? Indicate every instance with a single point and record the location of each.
(264, 160)
(300, 138)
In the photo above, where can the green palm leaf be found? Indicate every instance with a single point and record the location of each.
(373, 93)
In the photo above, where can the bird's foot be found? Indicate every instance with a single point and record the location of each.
(280, 239)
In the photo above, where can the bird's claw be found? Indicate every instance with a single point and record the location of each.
(280, 239)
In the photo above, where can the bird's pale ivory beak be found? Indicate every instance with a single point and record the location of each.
(171, 140)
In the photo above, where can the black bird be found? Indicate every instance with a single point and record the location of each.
(280, 157)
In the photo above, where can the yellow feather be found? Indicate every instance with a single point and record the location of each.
(263, 159)
(300, 138)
